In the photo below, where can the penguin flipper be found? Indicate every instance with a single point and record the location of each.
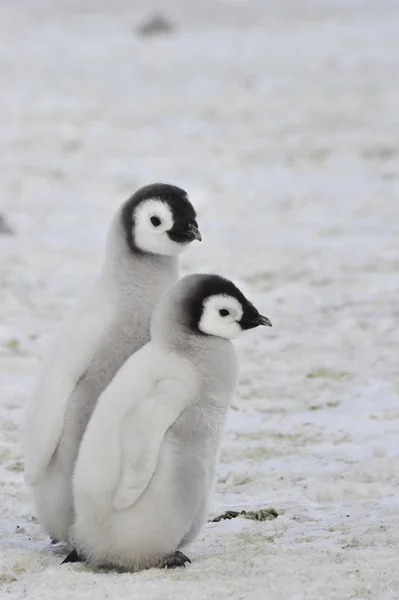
(141, 436)
(69, 359)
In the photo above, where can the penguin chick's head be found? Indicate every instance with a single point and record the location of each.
(217, 307)
(160, 219)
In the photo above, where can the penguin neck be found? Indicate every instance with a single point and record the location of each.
(204, 352)
(122, 266)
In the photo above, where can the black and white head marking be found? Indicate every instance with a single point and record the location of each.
(217, 307)
(159, 219)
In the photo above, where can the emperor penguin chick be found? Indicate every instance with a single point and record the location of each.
(111, 322)
(147, 460)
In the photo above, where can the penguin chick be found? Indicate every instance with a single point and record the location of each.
(146, 462)
(110, 323)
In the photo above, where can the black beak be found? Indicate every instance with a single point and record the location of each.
(184, 233)
(261, 320)
(250, 322)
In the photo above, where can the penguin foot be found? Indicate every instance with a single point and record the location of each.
(54, 541)
(177, 559)
(73, 557)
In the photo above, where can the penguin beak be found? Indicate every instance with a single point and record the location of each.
(254, 321)
(185, 232)
(261, 320)
(195, 233)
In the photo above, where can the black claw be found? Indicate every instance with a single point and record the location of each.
(177, 559)
(183, 556)
(73, 557)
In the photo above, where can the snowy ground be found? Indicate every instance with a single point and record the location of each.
(281, 120)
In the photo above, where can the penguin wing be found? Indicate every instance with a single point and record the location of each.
(68, 360)
(141, 434)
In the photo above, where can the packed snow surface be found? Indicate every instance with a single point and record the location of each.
(280, 118)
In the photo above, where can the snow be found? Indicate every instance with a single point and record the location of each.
(280, 119)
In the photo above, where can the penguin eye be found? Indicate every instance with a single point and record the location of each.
(223, 312)
(156, 221)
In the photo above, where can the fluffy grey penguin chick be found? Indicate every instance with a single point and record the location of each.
(110, 323)
(147, 460)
